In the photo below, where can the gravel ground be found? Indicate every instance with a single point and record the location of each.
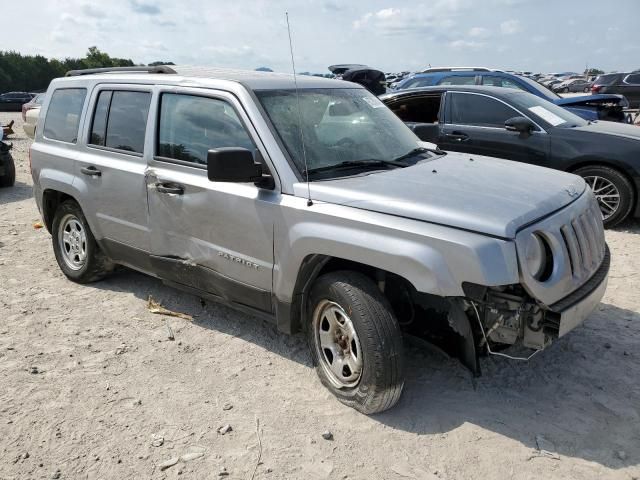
(92, 387)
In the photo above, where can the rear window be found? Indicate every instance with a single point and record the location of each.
(63, 114)
(417, 82)
(120, 120)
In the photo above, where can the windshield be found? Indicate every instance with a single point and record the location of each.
(547, 113)
(340, 127)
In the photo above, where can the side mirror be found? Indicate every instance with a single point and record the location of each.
(233, 165)
(427, 132)
(519, 124)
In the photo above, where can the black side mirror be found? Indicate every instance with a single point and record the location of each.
(427, 132)
(233, 165)
(519, 124)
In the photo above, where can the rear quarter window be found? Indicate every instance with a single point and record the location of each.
(63, 115)
(606, 79)
(633, 79)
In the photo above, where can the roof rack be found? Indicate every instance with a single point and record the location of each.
(141, 69)
(455, 69)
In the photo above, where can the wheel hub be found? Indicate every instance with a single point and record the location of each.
(73, 242)
(337, 344)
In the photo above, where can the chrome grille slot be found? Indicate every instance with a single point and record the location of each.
(575, 258)
(584, 240)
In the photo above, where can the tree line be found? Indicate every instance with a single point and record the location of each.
(32, 73)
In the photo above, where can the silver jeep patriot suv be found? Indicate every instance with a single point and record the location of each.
(314, 207)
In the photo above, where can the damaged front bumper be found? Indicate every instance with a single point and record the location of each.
(575, 308)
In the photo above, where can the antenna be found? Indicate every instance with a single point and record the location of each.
(295, 82)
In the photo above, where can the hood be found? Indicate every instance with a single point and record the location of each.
(612, 128)
(485, 195)
(592, 99)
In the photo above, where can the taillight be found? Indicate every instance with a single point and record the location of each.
(595, 88)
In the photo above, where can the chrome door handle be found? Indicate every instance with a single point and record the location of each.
(91, 171)
(170, 188)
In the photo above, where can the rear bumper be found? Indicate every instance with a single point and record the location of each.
(572, 310)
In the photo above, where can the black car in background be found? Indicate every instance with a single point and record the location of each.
(516, 125)
(627, 84)
(12, 101)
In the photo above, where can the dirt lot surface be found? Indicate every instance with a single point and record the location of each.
(92, 387)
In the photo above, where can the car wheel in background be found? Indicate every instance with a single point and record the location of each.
(9, 177)
(355, 341)
(74, 246)
(613, 191)
(565, 90)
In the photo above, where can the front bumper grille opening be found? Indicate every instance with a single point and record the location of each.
(584, 241)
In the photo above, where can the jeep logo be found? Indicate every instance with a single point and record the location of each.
(239, 260)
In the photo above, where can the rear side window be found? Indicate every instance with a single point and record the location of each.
(606, 79)
(471, 109)
(63, 114)
(120, 120)
(458, 80)
(633, 79)
(190, 126)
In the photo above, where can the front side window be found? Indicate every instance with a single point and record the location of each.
(480, 110)
(458, 80)
(190, 126)
(497, 81)
(63, 115)
(120, 120)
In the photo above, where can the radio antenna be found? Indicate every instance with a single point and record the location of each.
(295, 82)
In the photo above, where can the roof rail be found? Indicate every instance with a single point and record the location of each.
(455, 69)
(141, 69)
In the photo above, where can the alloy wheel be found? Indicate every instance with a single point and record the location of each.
(606, 194)
(73, 242)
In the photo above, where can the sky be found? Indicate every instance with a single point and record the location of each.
(390, 35)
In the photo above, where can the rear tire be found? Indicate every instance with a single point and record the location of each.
(355, 341)
(9, 177)
(75, 247)
(608, 183)
(586, 90)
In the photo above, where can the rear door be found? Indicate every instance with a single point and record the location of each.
(474, 123)
(111, 170)
(213, 236)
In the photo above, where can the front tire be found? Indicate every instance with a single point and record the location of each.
(355, 341)
(9, 177)
(613, 191)
(75, 247)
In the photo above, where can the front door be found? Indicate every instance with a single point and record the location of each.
(474, 123)
(212, 236)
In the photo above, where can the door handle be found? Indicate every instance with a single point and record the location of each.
(457, 136)
(91, 171)
(170, 188)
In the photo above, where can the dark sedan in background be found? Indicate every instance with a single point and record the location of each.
(511, 124)
(13, 101)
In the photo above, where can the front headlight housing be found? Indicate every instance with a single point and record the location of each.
(538, 257)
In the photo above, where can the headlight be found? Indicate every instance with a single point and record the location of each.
(538, 257)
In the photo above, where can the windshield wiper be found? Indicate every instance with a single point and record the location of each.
(355, 164)
(418, 151)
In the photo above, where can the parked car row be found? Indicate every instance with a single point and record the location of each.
(312, 205)
(590, 107)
